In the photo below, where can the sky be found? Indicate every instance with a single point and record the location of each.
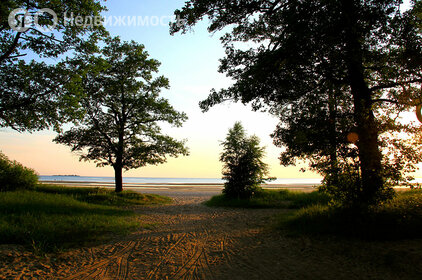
(190, 62)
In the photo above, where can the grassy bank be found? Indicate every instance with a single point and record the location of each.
(104, 196)
(311, 214)
(271, 199)
(396, 219)
(58, 217)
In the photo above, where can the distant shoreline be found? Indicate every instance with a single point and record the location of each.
(65, 175)
(162, 184)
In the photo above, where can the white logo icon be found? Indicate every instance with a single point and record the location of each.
(20, 20)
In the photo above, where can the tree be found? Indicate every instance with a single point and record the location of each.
(123, 111)
(244, 170)
(369, 52)
(35, 91)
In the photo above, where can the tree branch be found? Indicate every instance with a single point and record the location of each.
(16, 56)
(394, 84)
(385, 100)
(97, 125)
(31, 5)
(45, 35)
(271, 10)
(8, 123)
(12, 48)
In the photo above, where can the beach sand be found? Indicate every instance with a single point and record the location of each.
(175, 189)
(187, 240)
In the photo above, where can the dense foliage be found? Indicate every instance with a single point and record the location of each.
(244, 170)
(328, 70)
(14, 176)
(36, 90)
(123, 111)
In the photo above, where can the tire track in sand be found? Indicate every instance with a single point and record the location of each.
(120, 258)
(190, 242)
(165, 257)
(196, 263)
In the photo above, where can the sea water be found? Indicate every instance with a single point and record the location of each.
(146, 180)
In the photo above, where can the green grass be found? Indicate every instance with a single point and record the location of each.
(396, 219)
(105, 196)
(271, 199)
(53, 218)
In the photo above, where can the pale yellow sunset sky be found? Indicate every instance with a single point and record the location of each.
(190, 62)
(203, 132)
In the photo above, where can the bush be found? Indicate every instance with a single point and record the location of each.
(346, 191)
(14, 176)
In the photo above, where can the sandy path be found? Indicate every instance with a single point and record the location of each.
(189, 241)
(192, 241)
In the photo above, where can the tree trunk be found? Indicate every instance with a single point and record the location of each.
(121, 145)
(334, 170)
(118, 178)
(118, 166)
(368, 145)
(370, 156)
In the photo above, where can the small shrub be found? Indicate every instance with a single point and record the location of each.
(14, 176)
